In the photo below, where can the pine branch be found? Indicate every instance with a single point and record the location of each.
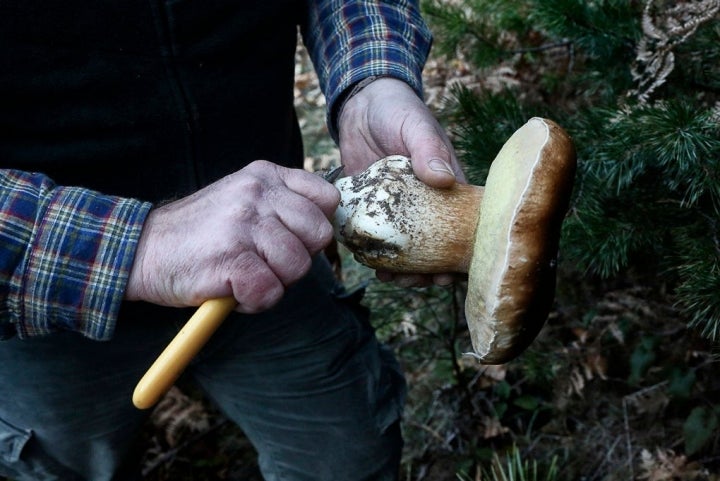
(699, 271)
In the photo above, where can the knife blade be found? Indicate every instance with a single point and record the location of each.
(333, 174)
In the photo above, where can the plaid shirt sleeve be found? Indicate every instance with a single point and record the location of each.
(352, 40)
(65, 256)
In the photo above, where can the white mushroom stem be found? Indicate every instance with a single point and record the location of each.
(504, 236)
(392, 221)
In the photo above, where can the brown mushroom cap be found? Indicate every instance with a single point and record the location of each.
(505, 235)
(511, 281)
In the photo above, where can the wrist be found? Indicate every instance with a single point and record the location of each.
(374, 94)
(345, 97)
(136, 289)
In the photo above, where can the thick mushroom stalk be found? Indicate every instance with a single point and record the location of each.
(504, 235)
(390, 220)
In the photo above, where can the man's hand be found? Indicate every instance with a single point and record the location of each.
(386, 118)
(249, 235)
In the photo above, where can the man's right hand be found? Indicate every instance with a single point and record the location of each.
(249, 235)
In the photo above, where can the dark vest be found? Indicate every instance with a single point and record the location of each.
(146, 98)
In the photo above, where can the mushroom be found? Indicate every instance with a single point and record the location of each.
(504, 235)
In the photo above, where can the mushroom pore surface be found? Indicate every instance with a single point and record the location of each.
(512, 274)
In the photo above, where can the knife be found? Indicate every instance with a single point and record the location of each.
(171, 363)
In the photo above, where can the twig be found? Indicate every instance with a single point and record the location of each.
(540, 48)
(567, 44)
(606, 459)
(628, 443)
(626, 399)
(428, 429)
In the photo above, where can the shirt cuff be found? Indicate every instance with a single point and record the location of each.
(79, 263)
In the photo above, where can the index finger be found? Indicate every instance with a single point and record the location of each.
(314, 188)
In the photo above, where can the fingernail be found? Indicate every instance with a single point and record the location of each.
(439, 165)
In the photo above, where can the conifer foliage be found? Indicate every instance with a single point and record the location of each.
(637, 85)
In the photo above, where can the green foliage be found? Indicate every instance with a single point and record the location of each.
(514, 468)
(601, 30)
(699, 428)
(648, 180)
(664, 201)
(478, 26)
(681, 382)
(698, 260)
(671, 142)
(642, 358)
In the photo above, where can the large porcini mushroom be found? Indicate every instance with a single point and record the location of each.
(504, 235)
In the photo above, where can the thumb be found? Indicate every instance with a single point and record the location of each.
(432, 156)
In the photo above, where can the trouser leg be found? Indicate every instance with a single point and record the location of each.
(311, 387)
(66, 411)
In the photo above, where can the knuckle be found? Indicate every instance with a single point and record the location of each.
(252, 186)
(265, 300)
(258, 291)
(283, 253)
(260, 165)
(291, 263)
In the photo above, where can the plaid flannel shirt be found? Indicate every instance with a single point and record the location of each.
(66, 252)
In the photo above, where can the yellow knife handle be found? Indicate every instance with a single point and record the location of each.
(177, 355)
